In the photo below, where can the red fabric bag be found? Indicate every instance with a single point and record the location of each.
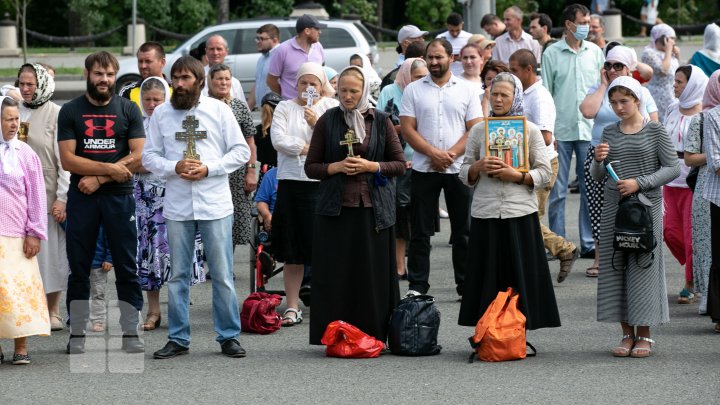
(345, 340)
(258, 313)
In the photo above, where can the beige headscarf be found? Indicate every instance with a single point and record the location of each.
(354, 118)
(312, 68)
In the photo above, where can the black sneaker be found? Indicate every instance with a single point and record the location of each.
(133, 344)
(232, 348)
(76, 344)
(170, 350)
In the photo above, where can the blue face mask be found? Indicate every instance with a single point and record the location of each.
(581, 31)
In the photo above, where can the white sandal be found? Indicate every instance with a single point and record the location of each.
(641, 352)
(288, 320)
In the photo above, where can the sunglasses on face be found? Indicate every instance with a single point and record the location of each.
(616, 66)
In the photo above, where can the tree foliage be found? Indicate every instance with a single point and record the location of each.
(264, 8)
(367, 10)
(428, 14)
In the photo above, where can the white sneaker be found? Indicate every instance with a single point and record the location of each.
(444, 214)
(412, 293)
(702, 308)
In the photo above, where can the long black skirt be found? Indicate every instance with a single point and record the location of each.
(508, 253)
(354, 274)
(292, 222)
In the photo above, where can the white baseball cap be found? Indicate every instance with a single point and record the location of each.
(410, 31)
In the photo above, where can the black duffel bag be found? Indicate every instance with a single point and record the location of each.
(414, 326)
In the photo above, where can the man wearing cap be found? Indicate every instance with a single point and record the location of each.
(267, 39)
(407, 35)
(291, 54)
(515, 38)
(487, 46)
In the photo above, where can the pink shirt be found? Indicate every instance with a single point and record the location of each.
(286, 61)
(23, 208)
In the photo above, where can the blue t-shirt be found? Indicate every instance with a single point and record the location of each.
(267, 192)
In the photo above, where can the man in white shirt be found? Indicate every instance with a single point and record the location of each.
(435, 116)
(457, 38)
(515, 38)
(216, 52)
(194, 142)
(540, 110)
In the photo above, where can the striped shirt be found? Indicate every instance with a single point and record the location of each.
(712, 150)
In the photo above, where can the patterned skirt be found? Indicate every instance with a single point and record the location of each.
(594, 190)
(242, 204)
(153, 253)
(23, 308)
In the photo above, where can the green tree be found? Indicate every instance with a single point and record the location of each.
(191, 16)
(267, 8)
(367, 10)
(428, 14)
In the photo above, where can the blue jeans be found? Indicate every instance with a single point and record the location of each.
(556, 207)
(217, 241)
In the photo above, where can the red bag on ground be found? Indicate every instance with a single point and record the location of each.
(500, 333)
(345, 340)
(258, 313)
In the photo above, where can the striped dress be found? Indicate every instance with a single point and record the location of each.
(636, 295)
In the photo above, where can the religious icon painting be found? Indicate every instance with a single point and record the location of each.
(505, 137)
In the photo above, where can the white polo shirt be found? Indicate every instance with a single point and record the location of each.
(540, 110)
(441, 114)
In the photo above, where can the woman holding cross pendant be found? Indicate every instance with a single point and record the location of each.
(356, 154)
(292, 221)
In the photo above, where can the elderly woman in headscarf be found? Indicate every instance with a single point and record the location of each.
(297, 194)
(662, 56)
(690, 83)
(695, 157)
(505, 227)
(708, 58)
(390, 99)
(153, 255)
(620, 61)
(38, 127)
(23, 224)
(356, 155)
(644, 160)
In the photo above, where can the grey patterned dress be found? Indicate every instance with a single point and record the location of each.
(242, 202)
(702, 255)
(636, 295)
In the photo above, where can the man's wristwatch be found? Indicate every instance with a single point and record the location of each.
(251, 166)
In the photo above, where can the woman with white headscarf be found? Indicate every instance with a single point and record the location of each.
(644, 159)
(662, 56)
(23, 224)
(620, 61)
(708, 58)
(690, 83)
(38, 115)
(153, 255)
(356, 155)
(505, 228)
(292, 221)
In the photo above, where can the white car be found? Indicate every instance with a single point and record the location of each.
(341, 39)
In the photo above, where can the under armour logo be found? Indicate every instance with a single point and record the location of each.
(107, 128)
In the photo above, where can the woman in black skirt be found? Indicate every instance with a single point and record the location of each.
(507, 245)
(354, 270)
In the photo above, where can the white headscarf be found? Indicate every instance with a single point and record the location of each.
(633, 85)
(695, 89)
(354, 118)
(711, 41)
(8, 153)
(312, 68)
(658, 31)
(370, 73)
(624, 55)
(167, 93)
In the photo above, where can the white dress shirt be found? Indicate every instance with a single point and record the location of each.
(236, 90)
(290, 133)
(456, 42)
(441, 114)
(540, 110)
(506, 46)
(223, 151)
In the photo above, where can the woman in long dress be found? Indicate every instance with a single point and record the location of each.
(153, 255)
(712, 194)
(505, 228)
(40, 114)
(292, 222)
(354, 271)
(244, 180)
(662, 56)
(23, 224)
(635, 295)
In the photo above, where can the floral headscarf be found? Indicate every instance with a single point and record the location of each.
(517, 107)
(45, 86)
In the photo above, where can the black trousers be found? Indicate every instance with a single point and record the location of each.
(425, 191)
(713, 301)
(116, 213)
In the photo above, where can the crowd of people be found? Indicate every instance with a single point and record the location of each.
(159, 181)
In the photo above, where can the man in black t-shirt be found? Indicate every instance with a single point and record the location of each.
(100, 137)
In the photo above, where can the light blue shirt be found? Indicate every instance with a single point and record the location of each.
(261, 72)
(223, 151)
(568, 75)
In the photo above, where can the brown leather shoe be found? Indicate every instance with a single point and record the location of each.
(566, 263)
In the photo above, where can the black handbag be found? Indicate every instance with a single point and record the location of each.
(692, 176)
(414, 326)
(634, 233)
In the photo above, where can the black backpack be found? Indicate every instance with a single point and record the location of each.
(414, 326)
(634, 227)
